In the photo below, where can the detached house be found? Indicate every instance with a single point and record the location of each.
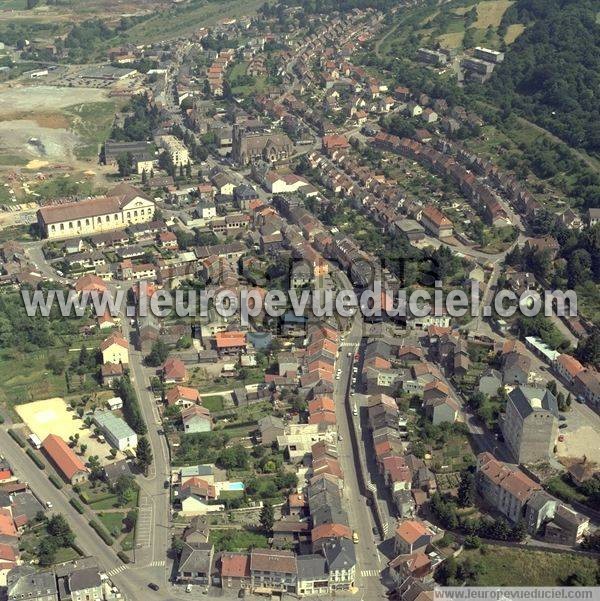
(115, 349)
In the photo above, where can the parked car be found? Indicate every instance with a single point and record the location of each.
(561, 426)
(153, 586)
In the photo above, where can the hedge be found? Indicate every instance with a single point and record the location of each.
(78, 506)
(36, 459)
(1, 419)
(101, 532)
(17, 438)
(56, 481)
(123, 557)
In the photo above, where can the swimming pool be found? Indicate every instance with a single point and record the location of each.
(236, 486)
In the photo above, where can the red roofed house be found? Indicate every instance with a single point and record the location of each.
(173, 370)
(8, 531)
(416, 565)
(63, 457)
(235, 570)
(436, 222)
(568, 367)
(324, 532)
(412, 536)
(8, 554)
(115, 349)
(182, 396)
(230, 343)
(507, 489)
(335, 142)
(90, 283)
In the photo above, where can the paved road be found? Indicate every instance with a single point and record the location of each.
(87, 539)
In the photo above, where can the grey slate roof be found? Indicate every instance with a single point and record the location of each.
(24, 582)
(340, 554)
(84, 579)
(196, 558)
(311, 567)
(524, 399)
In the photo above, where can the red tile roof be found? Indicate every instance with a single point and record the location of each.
(411, 530)
(230, 339)
(331, 531)
(114, 339)
(235, 565)
(7, 525)
(63, 456)
(174, 369)
(182, 392)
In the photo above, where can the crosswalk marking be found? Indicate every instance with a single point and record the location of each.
(369, 573)
(158, 564)
(117, 570)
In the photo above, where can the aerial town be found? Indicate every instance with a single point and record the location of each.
(246, 148)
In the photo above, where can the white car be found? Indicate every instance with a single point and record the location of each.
(188, 588)
(49, 504)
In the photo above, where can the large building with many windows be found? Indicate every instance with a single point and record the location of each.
(125, 205)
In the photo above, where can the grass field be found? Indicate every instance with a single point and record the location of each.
(65, 185)
(175, 22)
(491, 12)
(513, 32)
(505, 566)
(24, 377)
(92, 122)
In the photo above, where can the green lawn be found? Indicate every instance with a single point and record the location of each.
(236, 540)
(113, 522)
(213, 402)
(505, 566)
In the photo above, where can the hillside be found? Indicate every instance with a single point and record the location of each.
(551, 74)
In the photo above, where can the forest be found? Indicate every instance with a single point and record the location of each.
(551, 74)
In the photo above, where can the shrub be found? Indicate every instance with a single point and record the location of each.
(101, 532)
(17, 438)
(123, 557)
(35, 459)
(77, 505)
(56, 481)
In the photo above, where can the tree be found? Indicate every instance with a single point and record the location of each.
(112, 453)
(144, 454)
(124, 489)
(158, 354)
(46, 551)
(125, 164)
(59, 528)
(466, 488)
(83, 448)
(267, 518)
(144, 176)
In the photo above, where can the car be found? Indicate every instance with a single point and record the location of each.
(375, 531)
(153, 586)
(337, 376)
(354, 411)
(188, 588)
(49, 504)
(160, 431)
(349, 355)
(355, 370)
(356, 357)
(562, 418)
(561, 438)
(355, 538)
(166, 484)
(563, 426)
(340, 437)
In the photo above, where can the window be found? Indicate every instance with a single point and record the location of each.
(87, 221)
(70, 225)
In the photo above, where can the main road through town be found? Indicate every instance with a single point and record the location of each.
(370, 562)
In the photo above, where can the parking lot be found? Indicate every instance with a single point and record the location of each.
(580, 434)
